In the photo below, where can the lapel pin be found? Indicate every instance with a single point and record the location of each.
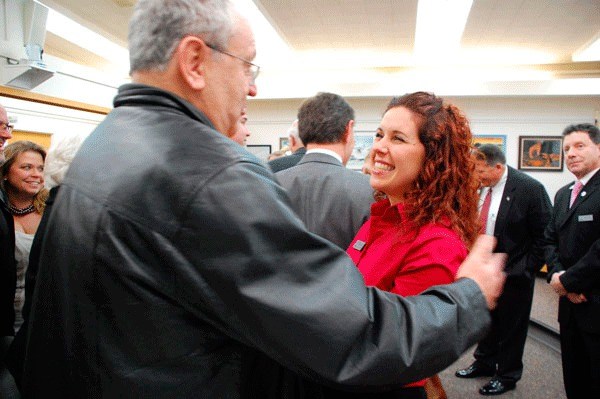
(583, 193)
(508, 198)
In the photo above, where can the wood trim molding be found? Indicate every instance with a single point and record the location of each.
(49, 100)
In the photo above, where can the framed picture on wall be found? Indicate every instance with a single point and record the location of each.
(261, 151)
(364, 142)
(496, 139)
(284, 142)
(42, 139)
(541, 153)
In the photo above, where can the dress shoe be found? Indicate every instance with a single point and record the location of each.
(474, 370)
(496, 387)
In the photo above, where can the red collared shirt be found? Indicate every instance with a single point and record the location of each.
(393, 256)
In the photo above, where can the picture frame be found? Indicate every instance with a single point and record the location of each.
(40, 138)
(284, 142)
(541, 153)
(363, 143)
(261, 151)
(497, 139)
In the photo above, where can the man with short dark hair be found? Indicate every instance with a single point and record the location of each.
(331, 200)
(518, 210)
(573, 258)
(172, 259)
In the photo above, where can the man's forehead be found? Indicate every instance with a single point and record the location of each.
(242, 36)
(577, 136)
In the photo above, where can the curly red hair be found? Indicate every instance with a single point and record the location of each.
(446, 188)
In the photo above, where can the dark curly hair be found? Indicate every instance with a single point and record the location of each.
(446, 188)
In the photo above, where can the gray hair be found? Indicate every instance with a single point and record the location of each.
(59, 158)
(157, 26)
(293, 130)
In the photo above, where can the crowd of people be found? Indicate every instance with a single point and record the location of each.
(197, 270)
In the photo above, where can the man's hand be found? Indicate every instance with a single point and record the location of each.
(485, 268)
(557, 285)
(576, 298)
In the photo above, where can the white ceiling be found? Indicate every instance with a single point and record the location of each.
(344, 34)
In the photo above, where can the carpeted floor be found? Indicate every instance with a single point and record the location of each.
(542, 374)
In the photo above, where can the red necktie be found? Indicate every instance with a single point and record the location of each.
(575, 193)
(485, 210)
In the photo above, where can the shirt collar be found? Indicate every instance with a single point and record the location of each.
(587, 177)
(324, 151)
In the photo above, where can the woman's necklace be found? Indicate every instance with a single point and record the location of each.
(21, 211)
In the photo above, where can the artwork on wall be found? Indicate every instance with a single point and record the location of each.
(284, 142)
(42, 139)
(540, 153)
(364, 142)
(497, 139)
(261, 151)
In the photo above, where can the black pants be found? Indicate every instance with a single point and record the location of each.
(502, 349)
(8, 388)
(580, 351)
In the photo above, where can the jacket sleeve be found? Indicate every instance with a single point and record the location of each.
(585, 274)
(264, 280)
(538, 215)
(551, 254)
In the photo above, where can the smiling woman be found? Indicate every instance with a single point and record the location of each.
(418, 235)
(23, 183)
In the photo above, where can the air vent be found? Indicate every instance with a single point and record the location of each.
(125, 3)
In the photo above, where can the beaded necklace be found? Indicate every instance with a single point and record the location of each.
(21, 211)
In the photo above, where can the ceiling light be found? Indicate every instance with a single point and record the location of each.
(271, 49)
(440, 25)
(589, 52)
(85, 38)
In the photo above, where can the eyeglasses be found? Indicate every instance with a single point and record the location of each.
(254, 69)
(6, 126)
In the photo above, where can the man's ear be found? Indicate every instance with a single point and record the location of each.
(192, 55)
(349, 127)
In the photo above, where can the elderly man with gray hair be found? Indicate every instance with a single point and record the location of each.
(172, 259)
(296, 147)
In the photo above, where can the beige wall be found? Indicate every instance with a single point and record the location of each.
(510, 116)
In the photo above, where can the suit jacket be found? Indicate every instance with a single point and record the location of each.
(332, 201)
(288, 161)
(573, 237)
(524, 212)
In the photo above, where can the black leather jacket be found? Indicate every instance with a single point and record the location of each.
(173, 260)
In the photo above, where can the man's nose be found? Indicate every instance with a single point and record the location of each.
(252, 89)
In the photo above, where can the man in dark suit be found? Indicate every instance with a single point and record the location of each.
(332, 201)
(573, 258)
(518, 210)
(297, 148)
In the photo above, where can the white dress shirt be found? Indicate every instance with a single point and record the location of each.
(325, 151)
(497, 193)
